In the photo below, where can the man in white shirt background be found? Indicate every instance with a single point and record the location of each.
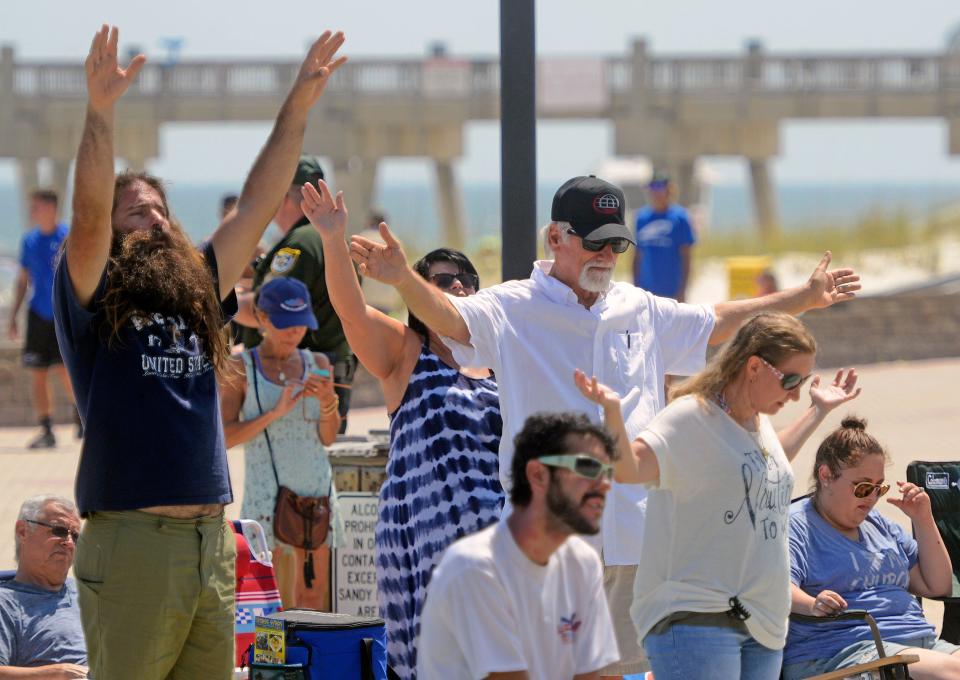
(523, 598)
(570, 314)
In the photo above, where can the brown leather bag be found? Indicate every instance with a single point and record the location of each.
(301, 521)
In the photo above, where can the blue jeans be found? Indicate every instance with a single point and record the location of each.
(710, 653)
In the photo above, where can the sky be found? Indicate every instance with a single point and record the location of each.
(811, 152)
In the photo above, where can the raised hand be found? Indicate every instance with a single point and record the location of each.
(320, 63)
(326, 213)
(106, 81)
(595, 391)
(829, 287)
(915, 502)
(385, 262)
(841, 390)
(827, 603)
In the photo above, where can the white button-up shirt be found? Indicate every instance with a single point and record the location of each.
(534, 333)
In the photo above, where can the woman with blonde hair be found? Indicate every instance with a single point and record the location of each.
(712, 593)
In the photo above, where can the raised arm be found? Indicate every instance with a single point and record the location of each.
(235, 240)
(636, 462)
(388, 263)
(932, 575)
(375, 338)
(822, 401)
(88, 243)
(822, 289)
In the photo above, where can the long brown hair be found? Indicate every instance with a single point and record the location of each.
(773, 336)
(153, 270)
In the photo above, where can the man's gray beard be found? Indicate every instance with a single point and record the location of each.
(594, 283)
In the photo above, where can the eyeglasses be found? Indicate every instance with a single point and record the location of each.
(581, 464)
(58, 530)
(864, 489)
(466, 279)
(788, 381)
(617, 244)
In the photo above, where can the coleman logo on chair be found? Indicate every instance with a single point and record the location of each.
(938, 480)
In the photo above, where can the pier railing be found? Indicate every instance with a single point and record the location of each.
(466, 78)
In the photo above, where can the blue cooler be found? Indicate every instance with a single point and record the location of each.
(335, 646)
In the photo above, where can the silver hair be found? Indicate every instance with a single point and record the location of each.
(563, 228)
(32, 510)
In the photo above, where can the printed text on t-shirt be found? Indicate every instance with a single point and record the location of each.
(766, 495)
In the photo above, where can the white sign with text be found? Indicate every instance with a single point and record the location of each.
(354, 572)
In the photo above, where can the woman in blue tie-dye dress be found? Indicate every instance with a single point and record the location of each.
(445, 426)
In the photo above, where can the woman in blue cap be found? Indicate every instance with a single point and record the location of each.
(279, 402)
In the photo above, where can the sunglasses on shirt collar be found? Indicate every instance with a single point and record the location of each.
(581, 464)
(788, 381)
(617, 244)
(466, 279)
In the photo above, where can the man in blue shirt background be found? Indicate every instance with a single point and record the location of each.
(41, 354)
(661, 262)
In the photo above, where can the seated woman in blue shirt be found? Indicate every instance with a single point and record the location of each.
(845, 555)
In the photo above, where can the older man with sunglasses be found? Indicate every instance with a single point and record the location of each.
(524, 598)
(40, 631)
(570, 314)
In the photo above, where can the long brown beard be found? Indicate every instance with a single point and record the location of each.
(160, 271)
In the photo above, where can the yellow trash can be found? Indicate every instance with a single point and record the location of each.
(742, 273)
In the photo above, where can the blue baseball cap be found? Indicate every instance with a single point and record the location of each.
(286, 303)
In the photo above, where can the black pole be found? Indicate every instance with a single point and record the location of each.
(518, 138)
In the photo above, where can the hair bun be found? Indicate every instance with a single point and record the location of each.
(852, 422)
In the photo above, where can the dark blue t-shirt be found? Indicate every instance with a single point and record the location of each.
(39, 627)
(38, 255)
(659, 238)
(149, 404)
(872, 573)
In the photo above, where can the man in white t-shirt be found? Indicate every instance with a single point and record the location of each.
(523, 599)
(570, 314)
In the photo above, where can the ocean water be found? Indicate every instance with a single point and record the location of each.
(412, 209)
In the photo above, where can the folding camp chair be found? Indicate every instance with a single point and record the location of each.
(257, 593)
(884, 668)
(941, 480)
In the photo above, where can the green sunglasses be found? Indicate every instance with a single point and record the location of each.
(581, 464)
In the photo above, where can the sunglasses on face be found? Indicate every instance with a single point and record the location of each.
(466, 279)
(864, 489)
(58, 530)
(617, 244)
(581, 464)
(788, 381)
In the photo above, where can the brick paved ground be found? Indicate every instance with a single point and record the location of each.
(911, 407)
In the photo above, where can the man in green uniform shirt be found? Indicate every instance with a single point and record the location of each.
(299, 254)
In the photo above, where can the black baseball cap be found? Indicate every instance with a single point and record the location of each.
(593, 207)
(308, 170)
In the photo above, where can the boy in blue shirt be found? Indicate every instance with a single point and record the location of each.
(39, 251)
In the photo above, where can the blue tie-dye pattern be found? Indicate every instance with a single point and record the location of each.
(442, 483)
